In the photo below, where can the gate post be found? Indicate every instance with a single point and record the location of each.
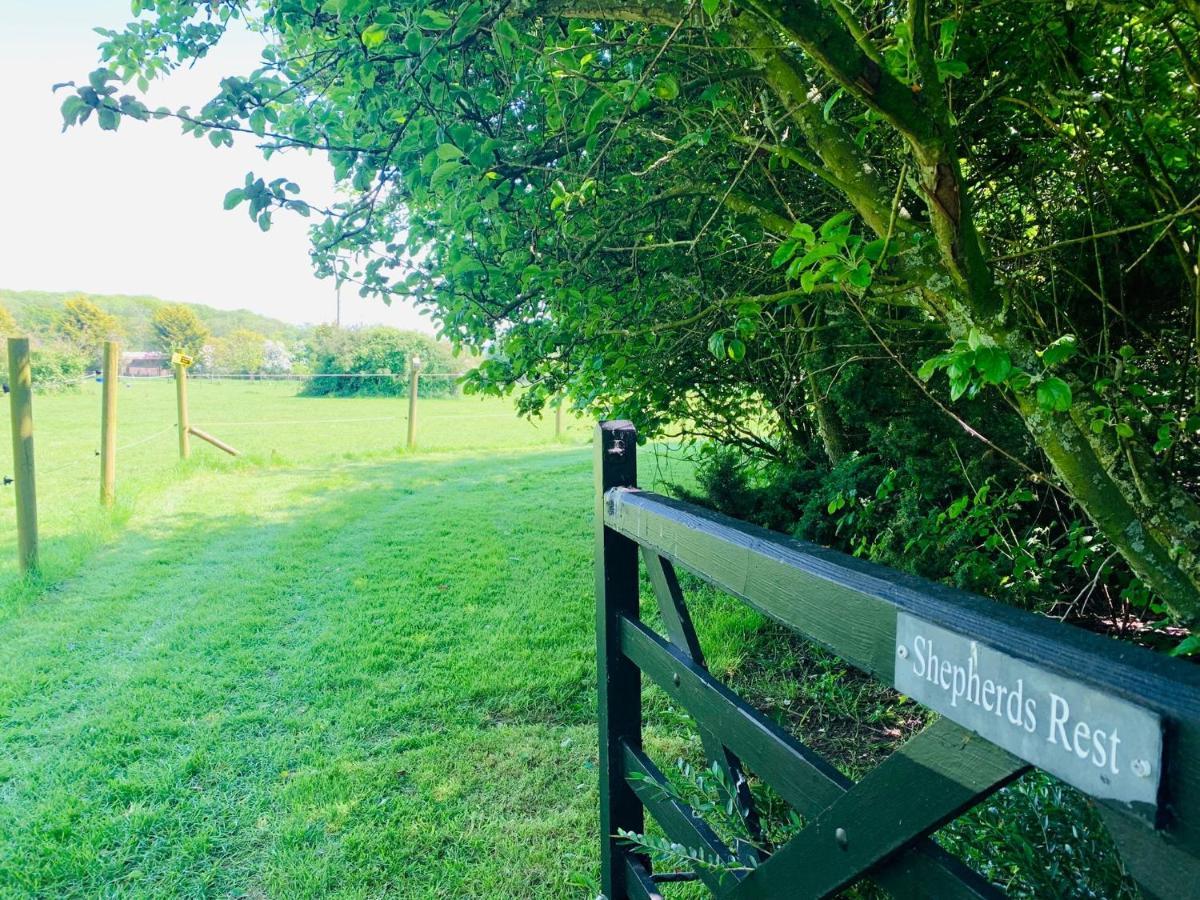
(617, 678)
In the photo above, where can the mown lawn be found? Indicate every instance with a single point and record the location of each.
(357, 680)
(271, 423)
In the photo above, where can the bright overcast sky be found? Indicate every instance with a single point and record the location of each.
(139, 211)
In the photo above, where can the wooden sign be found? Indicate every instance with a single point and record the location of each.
(181, 359)
(1101, 744)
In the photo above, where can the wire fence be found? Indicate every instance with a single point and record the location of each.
(269, 420)
(300, 376)
(45, 384)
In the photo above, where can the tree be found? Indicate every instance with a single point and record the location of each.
(8, 325)
(85, 326)
(178, 328)
(277, 359)
(379, 350)
(684, 212)
(241, 352)
(8, 328)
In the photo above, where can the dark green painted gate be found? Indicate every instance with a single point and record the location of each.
(878, 828)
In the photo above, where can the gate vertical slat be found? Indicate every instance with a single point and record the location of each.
(677, 622)
(641, 886)
(618, 679)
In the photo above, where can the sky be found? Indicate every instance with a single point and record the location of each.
(138, 211)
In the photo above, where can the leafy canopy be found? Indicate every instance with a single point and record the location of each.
(716, 213)
(178, 328)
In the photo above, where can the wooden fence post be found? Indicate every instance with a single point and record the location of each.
(20, 381)
(618, 680)
(414, 375)
(109, 372)
(185, 447)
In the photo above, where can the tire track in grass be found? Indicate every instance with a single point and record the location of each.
(163, 648)
(184, 744)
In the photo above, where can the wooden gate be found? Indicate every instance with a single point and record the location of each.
(1120, 723)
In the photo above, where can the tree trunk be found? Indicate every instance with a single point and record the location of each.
(1152, 522)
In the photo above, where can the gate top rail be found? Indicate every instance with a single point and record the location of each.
(1117, 721)
(850, 605)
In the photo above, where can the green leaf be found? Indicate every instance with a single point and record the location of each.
(596, 114)
(1124, 429)
(821, 251)
(375, 35)
(951, 68)
(234, 197)
(1019, 380)
(802, 231)
(434, 20)
(930, 366)
(1054, 394)
(71, 107)
(993, 364)
(946, 35)
(827, 109)
(444, 171)
(258, 122)
(1060, 351)
(508, 31)
(860, 277)
(835, 222)
(448, 151)
(109, 118)
(710, 6)
(783, 253)
(666, 87)
(736, 350)
(1188, 646)
(716, 344)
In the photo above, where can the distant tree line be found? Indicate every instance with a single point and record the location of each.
(378, 350)
(69, 343)
(38, 311)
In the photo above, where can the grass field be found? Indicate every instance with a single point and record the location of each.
(334, 669)
(330, 669)
(268, 421)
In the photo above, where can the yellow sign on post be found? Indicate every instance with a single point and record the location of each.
(181, 359)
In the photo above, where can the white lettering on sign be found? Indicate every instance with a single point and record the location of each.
(1101, 744)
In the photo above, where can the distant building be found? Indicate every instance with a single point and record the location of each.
(145, 363)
